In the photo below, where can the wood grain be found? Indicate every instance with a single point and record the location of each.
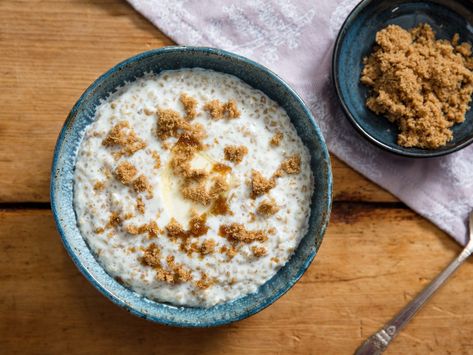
(49, 57)
(372, 261)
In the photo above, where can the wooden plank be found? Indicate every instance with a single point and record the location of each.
(49, 56)
(371, 263)
(349, 185)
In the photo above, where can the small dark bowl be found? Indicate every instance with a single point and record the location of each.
(62, 184)
(355, 41)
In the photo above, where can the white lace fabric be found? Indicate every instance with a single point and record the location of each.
(295, 38)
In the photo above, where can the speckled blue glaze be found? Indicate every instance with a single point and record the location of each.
(63, 172)
(355, 41)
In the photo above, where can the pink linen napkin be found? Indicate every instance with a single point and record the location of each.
(295, 39)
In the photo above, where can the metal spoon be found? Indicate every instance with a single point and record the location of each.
(380, 340)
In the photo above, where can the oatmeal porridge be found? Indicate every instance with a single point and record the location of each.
(192, 187)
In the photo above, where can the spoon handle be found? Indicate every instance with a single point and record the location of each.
(380, 340)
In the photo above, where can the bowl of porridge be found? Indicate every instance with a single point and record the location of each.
(191, 186)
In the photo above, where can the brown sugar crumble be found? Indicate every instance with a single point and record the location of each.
(220, 207)
(464, 49)
(235, 153)
(164, 275)
(140, 205)
(152, 256)
(214, 108)
(114, 220)
(219, 110)
(125, 172)
(197, 227)
(221, 168)
(267, 208)
(275, 140)
(207, 247)
(170, 124)
(260, 185)
(189, 248)
(99, 186)
(190, 105)
(230, 109)
(218, 187)
(229, 252)
(174, 229)
(292, 165)
(127, 215)
(238, 232)
(204, 282)
(141, 184)
(174, 273)
(182, 153)
(422, 84)
(133, 230)
(179, 272)
(151, 228)
(199, 192)
(123, 136)
(259, 251)
(156, 158)
(166, 145)
(196, 192)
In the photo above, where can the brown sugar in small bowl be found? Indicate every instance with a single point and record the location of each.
(355, 41)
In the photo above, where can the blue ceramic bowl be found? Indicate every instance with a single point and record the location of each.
(355, 41)
(63, 171)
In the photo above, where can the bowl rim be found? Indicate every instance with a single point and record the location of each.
(109, 293)
(353, 119)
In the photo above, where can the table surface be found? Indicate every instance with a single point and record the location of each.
(376, 255)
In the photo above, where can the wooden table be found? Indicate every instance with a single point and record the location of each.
(375, 256)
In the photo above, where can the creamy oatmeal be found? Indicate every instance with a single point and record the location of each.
(191, 187)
